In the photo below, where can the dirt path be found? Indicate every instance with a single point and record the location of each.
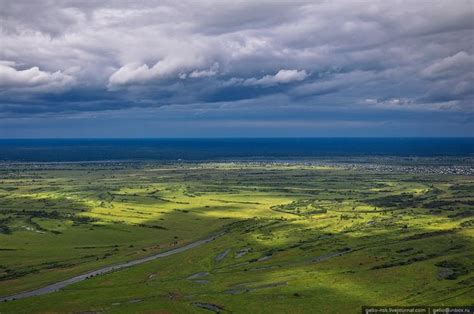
(61, 284)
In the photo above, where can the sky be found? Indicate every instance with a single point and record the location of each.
(236, 68)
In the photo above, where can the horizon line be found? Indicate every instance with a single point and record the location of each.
(236, 138)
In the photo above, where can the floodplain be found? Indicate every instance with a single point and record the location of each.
(293, 237)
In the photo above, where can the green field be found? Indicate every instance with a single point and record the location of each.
(300, 238)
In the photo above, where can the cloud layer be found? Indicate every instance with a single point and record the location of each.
(383, 64)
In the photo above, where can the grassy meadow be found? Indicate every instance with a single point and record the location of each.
(299, 238)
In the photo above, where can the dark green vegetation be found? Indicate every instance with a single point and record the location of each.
(301, 238)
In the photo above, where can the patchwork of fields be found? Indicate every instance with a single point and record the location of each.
(298, 238)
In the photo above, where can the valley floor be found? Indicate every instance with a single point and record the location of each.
(298, 238)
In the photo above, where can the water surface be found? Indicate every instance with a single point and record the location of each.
(57, 150)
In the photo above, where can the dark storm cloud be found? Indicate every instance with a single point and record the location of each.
(341, 60)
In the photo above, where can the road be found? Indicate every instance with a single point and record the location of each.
(61, 284)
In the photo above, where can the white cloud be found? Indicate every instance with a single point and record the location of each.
(404, 104)
(32, 78)
(281, 77)
(389, 103)
(136, 73)
(205, 73)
